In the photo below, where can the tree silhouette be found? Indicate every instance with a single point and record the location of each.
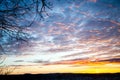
(16, 16)
(4, 69)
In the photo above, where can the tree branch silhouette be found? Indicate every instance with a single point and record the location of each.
(14, 19)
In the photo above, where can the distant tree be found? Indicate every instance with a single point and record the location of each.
(4, 69)
(16, 16)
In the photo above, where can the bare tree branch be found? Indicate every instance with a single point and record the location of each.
(12, 15)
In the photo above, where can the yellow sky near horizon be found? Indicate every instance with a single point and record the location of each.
(76, 68)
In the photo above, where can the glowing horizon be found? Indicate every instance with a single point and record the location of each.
(93, 69)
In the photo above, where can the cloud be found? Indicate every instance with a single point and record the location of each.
(59, 49)
(93, 0)
(41, 61)
(116, 60)
(19, 61)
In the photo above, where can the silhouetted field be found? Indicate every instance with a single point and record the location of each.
(64, 76)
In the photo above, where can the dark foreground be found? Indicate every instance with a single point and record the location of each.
(63, 76)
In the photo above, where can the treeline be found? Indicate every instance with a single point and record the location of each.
(62, 77)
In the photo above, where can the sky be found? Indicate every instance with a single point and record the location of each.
(80, 36)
